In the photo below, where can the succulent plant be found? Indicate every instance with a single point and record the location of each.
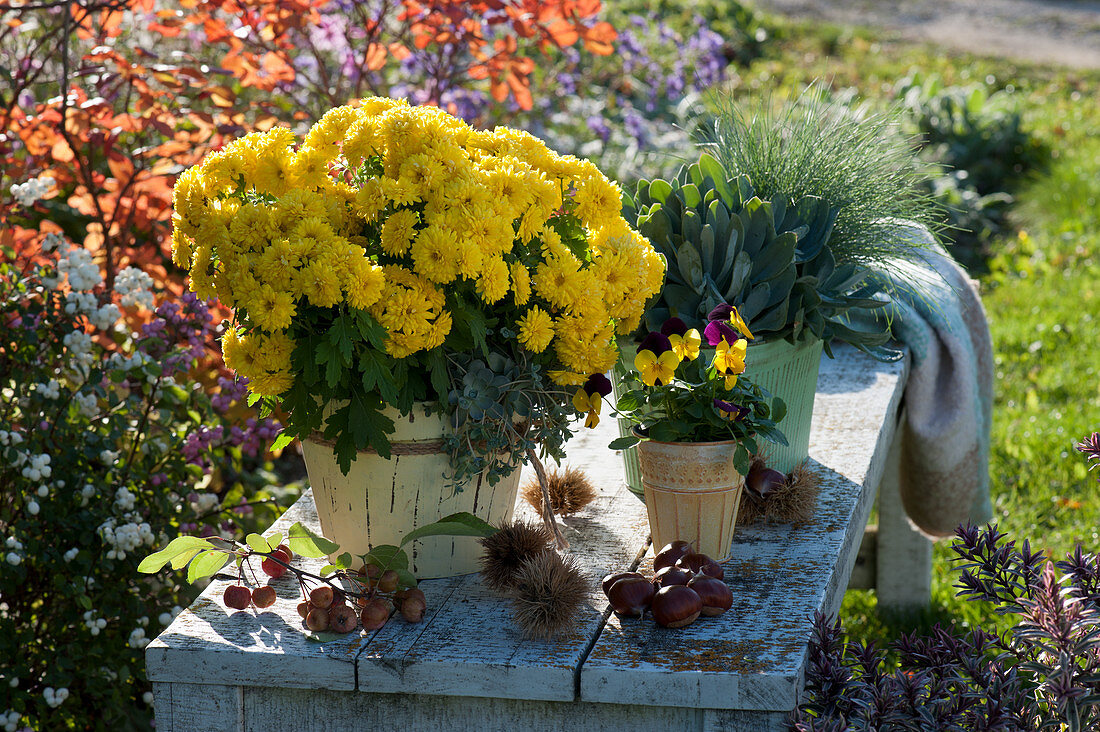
(769, 258)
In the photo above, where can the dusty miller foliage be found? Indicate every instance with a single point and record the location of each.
(1044, 673)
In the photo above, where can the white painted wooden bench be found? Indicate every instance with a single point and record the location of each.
(467, 666)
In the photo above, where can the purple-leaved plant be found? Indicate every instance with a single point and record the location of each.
(1044, 673)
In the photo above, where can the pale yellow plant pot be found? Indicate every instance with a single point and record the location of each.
(380, 500)
(692, 492)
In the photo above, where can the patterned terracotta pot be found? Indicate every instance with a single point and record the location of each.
(382, 499)
(692, 492)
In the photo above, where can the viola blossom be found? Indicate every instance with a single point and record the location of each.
(656, 369)
(730, 360)
(590, 396)
(729, 410)
(726, 323)
(655, 343)
(686, 346)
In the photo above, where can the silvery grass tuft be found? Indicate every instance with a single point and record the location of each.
(857, 161)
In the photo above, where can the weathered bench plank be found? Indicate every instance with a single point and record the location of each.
(211, 644)
(753, 657)
(470, 646)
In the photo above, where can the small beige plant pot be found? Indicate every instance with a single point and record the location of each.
(380, 500)
(692, 492)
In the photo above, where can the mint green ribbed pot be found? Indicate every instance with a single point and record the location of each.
(787, 370)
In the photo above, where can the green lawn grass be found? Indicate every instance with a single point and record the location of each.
(1041, 293)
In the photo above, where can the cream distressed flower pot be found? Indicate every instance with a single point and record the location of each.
(788, 371)
(380, 500)
(692, 492)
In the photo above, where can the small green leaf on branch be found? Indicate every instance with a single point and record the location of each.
(303, 541)
(257, 543)
(206, 564)
(624, 443)
(177, 546)
(387, 556)
(457, 524)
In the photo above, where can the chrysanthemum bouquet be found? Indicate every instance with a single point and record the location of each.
(673, 395)
(395, 256)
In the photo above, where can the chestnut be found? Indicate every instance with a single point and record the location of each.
(630, 595)
(696, 563)
(714, 593)
(764, 481)
(670, 554)
(672, 576)
(676, 606)
(615, 577)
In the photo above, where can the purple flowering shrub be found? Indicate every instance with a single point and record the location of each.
(107, 448)
(1043, 673)
(634, 111)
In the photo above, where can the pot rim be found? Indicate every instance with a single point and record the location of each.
(639, 435)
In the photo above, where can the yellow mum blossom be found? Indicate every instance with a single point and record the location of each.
(566, 378)
(521, 283)
(435, 254)
(422, 173)
(398, 232)
(272, 384)
(598, 200)
(472, 260)
(730, 359)
(250, 228)
(656, 369)
(686, 347)
(556, 281)
(182, 248)
(272, 172)
(365, 283)
(202, 273)
(330, 129)
(271, 309)
(297, 204)
(276, 264)
(235, 353)
(310, 168)
(320, 284)
(493, 283)
(401, 192)
(189, 200)
(536, 330)
(370, 200)
(361, 141)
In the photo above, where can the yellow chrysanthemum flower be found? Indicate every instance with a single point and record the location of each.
(235, 354)
(493, 283)
(320, 284)
(202, 273)
(521, 283)
(271, 309)
(556, 281)
(365, 283)
(182, 248)
(398, 232)
(566, 378)
(370, 200)
(276, 264)
(435, 254)
(536, 330)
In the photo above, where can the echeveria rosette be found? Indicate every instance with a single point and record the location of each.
(673, 395)
(370, 264)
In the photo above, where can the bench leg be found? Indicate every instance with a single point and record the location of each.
(183, 707)
(903, 575)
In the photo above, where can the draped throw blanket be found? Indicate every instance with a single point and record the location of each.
(949, 396)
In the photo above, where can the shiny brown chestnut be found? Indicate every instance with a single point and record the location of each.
(672, 576)
(631, 595)
(764, 481)
(615, 577)
(714, 593)
(676, 606)
(696, 563)
(670, 554)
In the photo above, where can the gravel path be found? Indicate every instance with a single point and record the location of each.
(1065, 32)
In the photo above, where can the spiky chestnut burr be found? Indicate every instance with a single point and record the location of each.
(508, 549)
(570, 491)
(547, 595)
